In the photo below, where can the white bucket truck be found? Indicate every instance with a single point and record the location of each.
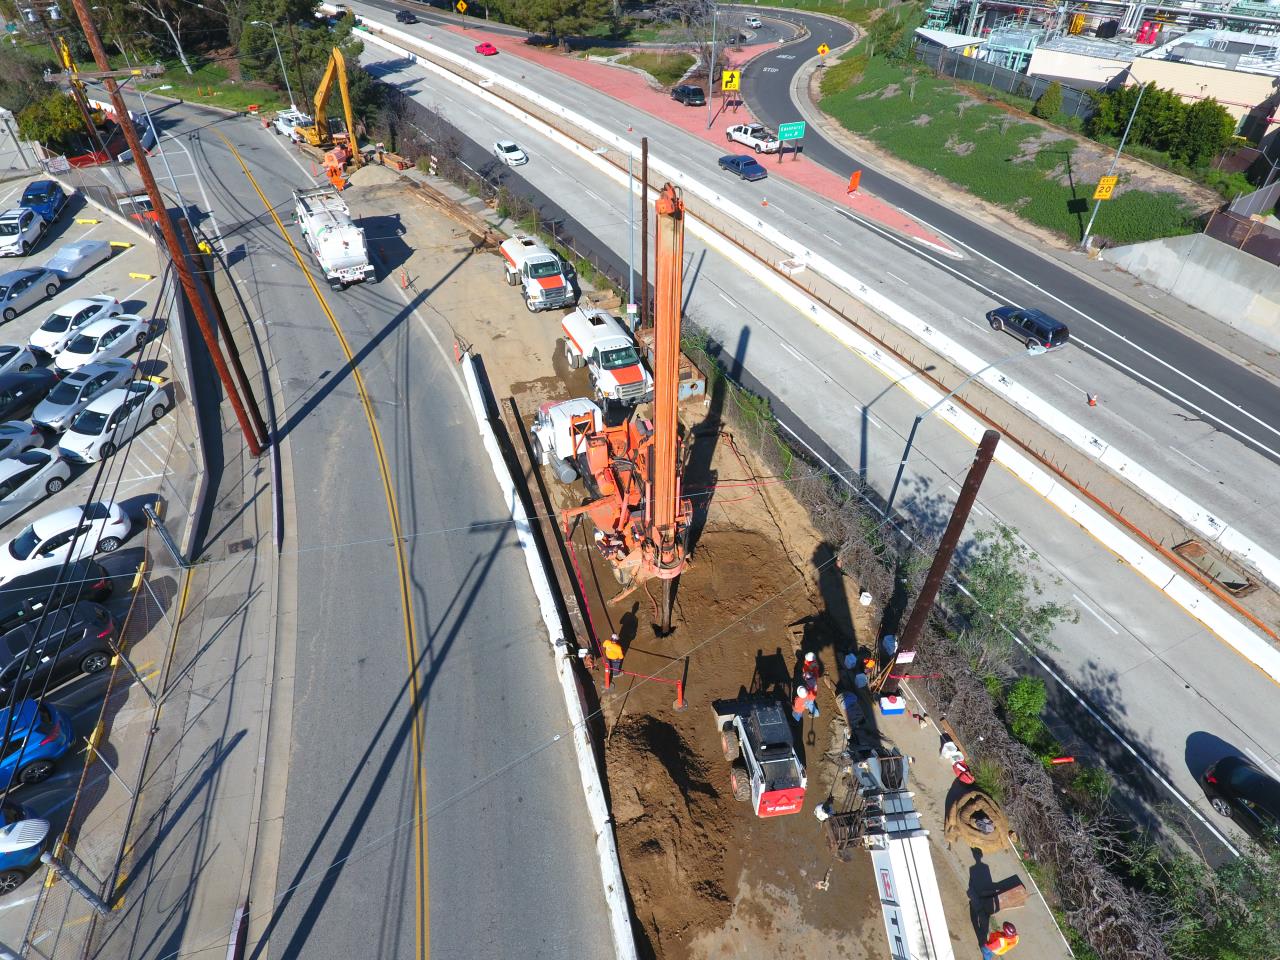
(333, 238)
(599, 340)
(559, 435)
(541, 274)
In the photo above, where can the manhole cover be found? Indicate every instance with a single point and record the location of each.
(237, 545)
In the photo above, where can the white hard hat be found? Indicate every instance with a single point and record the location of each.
(802, 691)
(810, 657)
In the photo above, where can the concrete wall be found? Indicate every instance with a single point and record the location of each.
(1235, 287)
(1237, 91)
(1077, 66)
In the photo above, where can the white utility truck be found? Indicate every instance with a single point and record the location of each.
(333, 238)
(541, 274)
(599, 340)
(753, 135)
(559, 435)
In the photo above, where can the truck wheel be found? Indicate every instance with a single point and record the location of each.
(511, 278)
(571, 358)
(757, 148)
(729, 137)
(539, 456)
(740, 783)
(729, 743)
(528, 305)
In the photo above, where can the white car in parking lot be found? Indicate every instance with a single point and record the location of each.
(15, 358)
(104, 340)
(67, 320)
(20, 230)
(113, 418)
(510, 153)
(75, 532)
(28, 478)
(18, 436)
(74, 392)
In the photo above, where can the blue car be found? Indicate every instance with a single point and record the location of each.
(745, 167)
(46, 732)
(22, 839)
(45, 197)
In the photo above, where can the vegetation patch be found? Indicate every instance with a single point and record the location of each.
(666, 68)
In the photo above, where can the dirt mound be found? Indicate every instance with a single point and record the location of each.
(673, 846)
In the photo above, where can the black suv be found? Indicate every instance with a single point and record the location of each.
(73, 640)
(21, 392)
(689, 95)
(406, 16)
(1239, 790)
(24, 598)
(1035, 328)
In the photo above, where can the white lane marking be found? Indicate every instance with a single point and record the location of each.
(787, 347)
(595, 196)
(1097, 616)
(896, 277)
(280, 142)
(973, 321)
(1189, 459)
(872, 420)
(833, 240)
(728, 301)
(133, 293)
(1259, 761)
(1073, 386)
(952, 488)
(9, 905)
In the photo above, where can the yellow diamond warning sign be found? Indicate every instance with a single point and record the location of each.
(461, 6)
(823, 49)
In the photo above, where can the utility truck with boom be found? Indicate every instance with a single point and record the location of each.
(332, 237)
(541, 275)
(599, 340)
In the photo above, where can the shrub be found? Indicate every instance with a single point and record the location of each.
(1050, 103)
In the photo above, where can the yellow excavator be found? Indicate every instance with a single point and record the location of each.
(322, 132)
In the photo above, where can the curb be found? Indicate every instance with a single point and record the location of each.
(196, 105)
(602, 823)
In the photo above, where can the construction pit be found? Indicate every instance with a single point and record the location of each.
(706, 878)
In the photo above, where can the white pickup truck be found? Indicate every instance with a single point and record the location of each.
(599, 340)
(541, 274)
(754, 135)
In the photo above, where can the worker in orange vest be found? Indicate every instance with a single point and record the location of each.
(806, 700)
(1000, 941)
(613, 654)
(811, 670)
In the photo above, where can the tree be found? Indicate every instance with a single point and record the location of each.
(556, 19)
(1050, 103)
(1001, 594)
(54, 121)
(1205, 131)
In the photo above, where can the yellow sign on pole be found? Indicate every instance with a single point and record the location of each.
(731, 80)
(461, 6)
(1105, 187)
(823, 49)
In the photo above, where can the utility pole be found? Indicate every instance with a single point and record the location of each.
(279, 56)
(297, 67)
(644, 231)
(1084, 242)
(947, 548)
(711, 64)
(170, 234)
(631, 240)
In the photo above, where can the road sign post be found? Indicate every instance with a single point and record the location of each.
(790, 131)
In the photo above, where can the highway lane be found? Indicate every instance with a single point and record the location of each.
(1200, 457)
(488, 695)
(1130, 652)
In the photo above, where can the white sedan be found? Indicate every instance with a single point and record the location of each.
(17, 436)
(67, 320)
(75, 532)
(509, 153)
(113, 418)
(15, 358)
(103, 340)
(28, 478)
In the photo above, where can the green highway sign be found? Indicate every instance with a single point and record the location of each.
(791, 131)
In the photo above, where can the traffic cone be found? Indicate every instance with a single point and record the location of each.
(1093, 399)
(764, 202)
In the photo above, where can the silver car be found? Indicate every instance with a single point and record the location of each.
(18, 436)
(28, 478)
(73, 393)
(74, 260)
(15, 358)
(22, 289)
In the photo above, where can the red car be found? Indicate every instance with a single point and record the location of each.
(486, 49)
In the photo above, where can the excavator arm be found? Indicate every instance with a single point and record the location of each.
(319, 134)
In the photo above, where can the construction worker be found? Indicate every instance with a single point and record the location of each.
(811, 670)
(613, 655)
(806, 701)
(1000, 941)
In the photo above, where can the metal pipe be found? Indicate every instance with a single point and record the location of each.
(950, 540)
(631, 237)
(644, 231)
(711, 64)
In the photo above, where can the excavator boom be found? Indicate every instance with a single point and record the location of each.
(318, 134)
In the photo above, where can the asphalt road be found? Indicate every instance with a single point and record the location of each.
(1130, 653)
(504, 815)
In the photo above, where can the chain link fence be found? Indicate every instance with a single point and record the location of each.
(953, 63)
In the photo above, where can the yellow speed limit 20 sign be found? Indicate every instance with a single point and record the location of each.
(731, 80)
(1106, 186)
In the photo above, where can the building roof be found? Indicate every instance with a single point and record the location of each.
(1227, 49)
(945, 38)
(1092, 47)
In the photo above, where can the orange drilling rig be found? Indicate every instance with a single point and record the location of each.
(633, 469)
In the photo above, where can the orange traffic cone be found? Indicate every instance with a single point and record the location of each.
(764, 202)
(1093, 399)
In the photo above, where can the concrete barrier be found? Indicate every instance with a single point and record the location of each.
(1227, 284)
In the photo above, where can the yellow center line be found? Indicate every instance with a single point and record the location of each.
(422, 904)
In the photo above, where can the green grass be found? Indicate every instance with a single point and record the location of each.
(211, 84)
(666, 68)
(600, 51)
(855, 11)
(882, 105)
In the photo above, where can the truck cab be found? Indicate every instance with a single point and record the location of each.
(598, 340)
(559, 435)
(754, 135)
(540, 274)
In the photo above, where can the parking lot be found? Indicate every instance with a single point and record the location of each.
(130, 477)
